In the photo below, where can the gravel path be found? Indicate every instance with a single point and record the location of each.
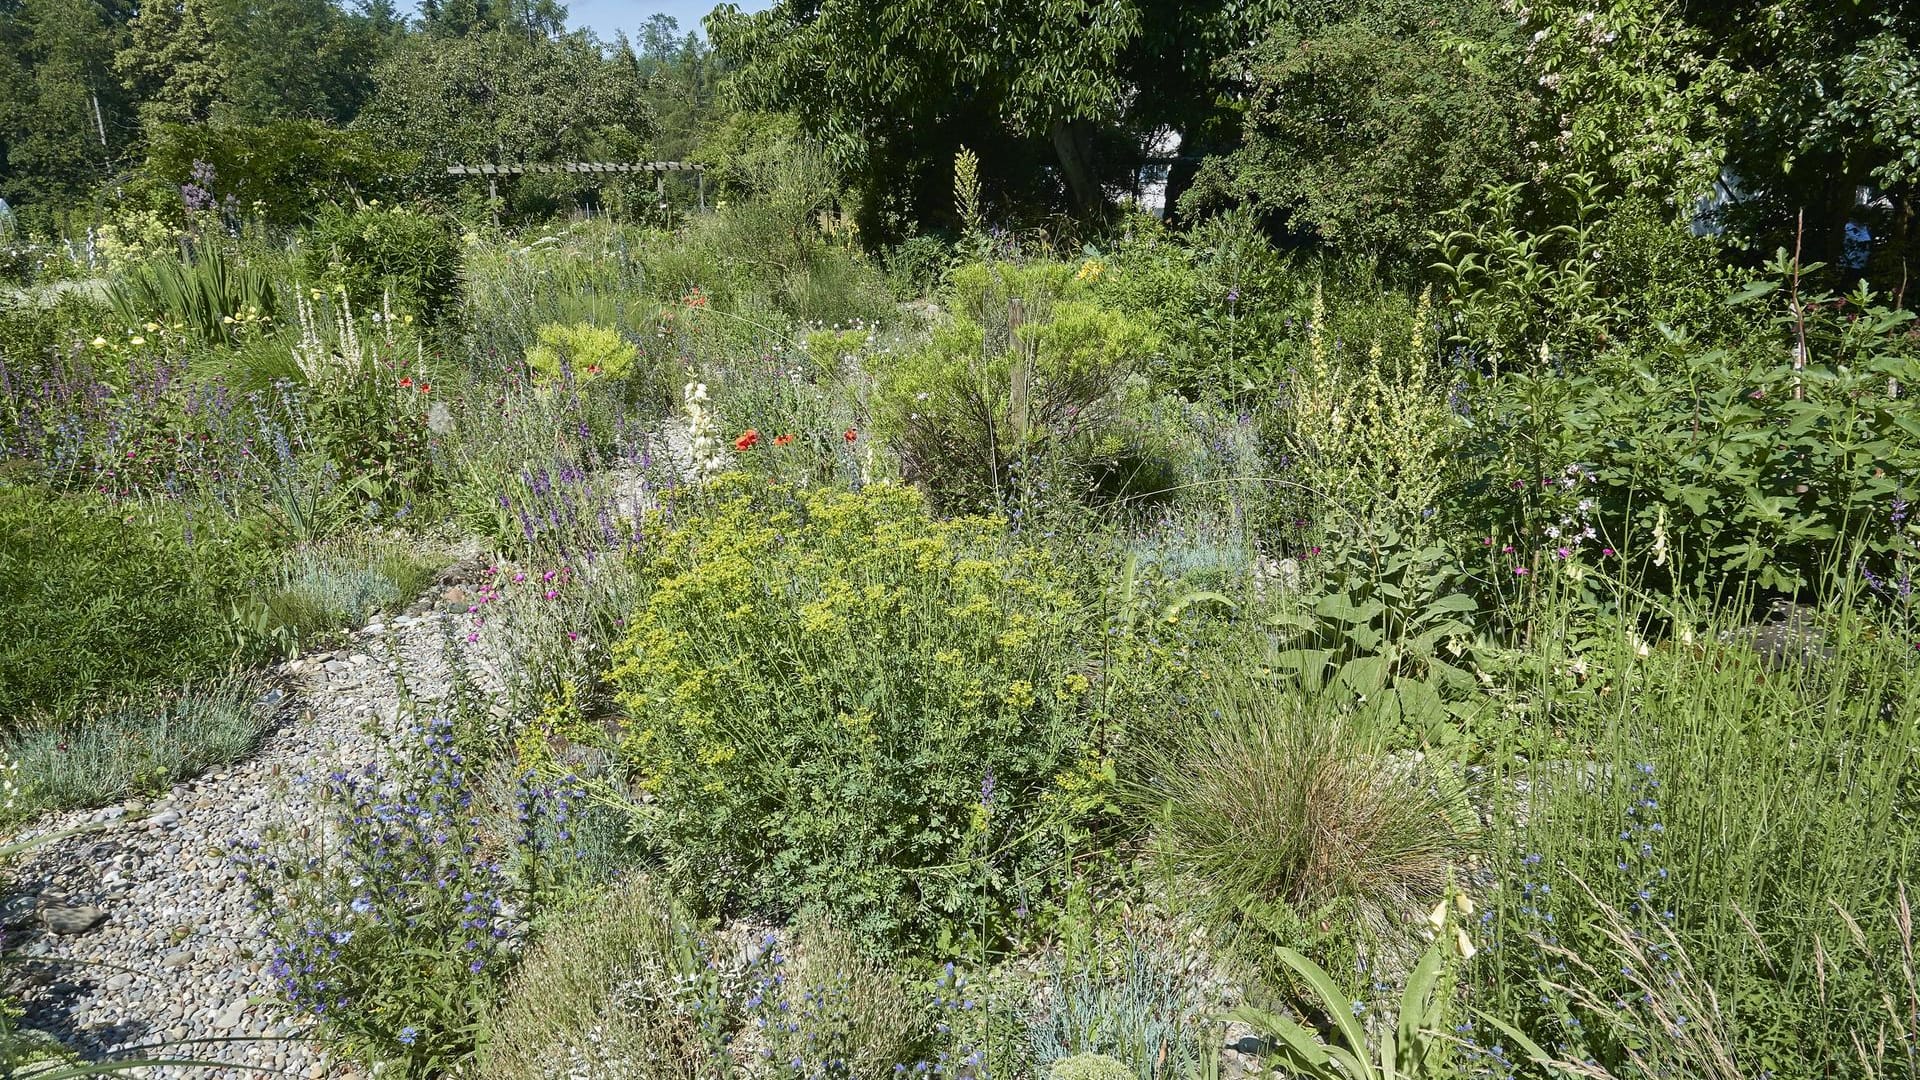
(146, 903)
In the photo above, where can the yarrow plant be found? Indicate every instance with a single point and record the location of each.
(397, 933)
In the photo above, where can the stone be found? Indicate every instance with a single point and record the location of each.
(70, 921)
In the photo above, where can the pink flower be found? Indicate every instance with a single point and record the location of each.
(1607, 552)
(1562, 553)
(552, 595)
(519, 577)
(1521, 571)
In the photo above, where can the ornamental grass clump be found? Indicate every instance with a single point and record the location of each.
(1277, 801)
(842, 705)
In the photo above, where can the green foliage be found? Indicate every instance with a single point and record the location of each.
(282, 170)
(841, 705)
(1745, 825)
(1643, 98)
(501, 94)
(96, 597)
(1415, 1045)
(340, 583)
(1028, 365)
(1219, 298)
(137, 745)
(1362, 130)
(579, 352)
(375, 255)
(607, 983)
(374, 423)
(214, 295)
(1089, 1067)
(1038, 89)
(1269, 796)
(1745, 467)
(1603, 272)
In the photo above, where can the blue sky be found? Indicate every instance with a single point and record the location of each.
(607, 17)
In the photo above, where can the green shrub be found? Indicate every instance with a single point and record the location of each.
(96, 597)
(580, 352)
(1029, 367)
(834, 1008)
(281, 169)
(842, 705)
(371, 253)
(1727, 469)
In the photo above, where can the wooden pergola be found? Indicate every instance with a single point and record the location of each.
(659, 169)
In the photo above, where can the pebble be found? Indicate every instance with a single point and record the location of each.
(71, 921)
(181, 927)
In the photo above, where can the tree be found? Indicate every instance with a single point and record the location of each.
(170, 62)
(1829, 100)
(293, 59)
(1054, 95)
(504, 95)
(1361, 127)
(57, 146)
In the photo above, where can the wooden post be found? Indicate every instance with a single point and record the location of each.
(493, 201)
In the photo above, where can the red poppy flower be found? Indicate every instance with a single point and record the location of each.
(748, 440)
(408, 381)
(782, 440)
(850, 435)
(426, 388)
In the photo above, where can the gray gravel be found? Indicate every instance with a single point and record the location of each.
(145, 915)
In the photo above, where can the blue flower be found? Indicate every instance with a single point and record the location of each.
(407, 1035)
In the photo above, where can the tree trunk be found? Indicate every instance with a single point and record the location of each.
(1073, 144)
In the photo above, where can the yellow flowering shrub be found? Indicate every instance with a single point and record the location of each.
(842, 704)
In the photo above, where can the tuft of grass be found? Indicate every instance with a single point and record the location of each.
(136, 745)
(1274, 797)
(341, 582)
(1699, 806)
(1133, 1000)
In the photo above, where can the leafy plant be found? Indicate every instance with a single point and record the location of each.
(581, 352)
(1029, 366)
(371, 254)
(842, 705)
(214, 295)
(395, 933)
(95, 598)
(1415, 1044)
